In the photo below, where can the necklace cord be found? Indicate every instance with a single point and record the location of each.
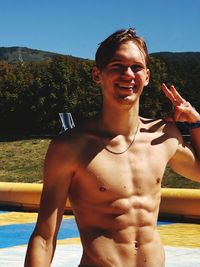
(122, 152)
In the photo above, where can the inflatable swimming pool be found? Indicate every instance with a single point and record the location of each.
(26, 196)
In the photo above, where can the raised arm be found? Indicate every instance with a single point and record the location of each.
(186, 160)
(57, 177)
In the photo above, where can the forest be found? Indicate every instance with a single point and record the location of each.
(33, 93)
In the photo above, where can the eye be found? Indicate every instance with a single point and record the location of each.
(136, 68)
(117, 66)
(121, 67)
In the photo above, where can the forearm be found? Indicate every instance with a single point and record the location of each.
(194, 128)
(195, 141)
(39, 253)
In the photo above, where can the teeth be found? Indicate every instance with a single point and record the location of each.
(127, 87)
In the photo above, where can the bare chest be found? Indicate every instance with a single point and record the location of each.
(138, 171)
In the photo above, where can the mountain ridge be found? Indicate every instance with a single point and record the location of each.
(179, 57)
(15, 54)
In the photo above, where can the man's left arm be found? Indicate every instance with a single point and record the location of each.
(186, 160)
(195, 140)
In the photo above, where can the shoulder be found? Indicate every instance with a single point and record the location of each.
(170, 129)
(73, 141)
(163, 135)
(160, 132)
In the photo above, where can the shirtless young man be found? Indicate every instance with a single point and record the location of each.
(111, 167)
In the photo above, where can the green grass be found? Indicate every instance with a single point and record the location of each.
(22, 161)
(174, 180)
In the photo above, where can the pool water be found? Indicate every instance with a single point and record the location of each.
(181, 241)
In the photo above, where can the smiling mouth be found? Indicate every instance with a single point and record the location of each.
(127, 88)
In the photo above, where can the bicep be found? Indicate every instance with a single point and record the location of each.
(185, 162)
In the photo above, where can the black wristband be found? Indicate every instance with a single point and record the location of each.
(192, 125)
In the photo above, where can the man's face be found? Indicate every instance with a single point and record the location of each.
(124, 78)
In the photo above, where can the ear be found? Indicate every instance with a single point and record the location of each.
(96, 74)
(147, 77)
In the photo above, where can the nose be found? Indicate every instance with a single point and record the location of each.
(128, 72)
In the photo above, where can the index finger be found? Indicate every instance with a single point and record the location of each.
(176, 95)
(173, 95)
(168, 93)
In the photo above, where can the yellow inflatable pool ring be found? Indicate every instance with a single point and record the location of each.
(26, 196)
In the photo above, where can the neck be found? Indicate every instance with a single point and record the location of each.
(118, 121)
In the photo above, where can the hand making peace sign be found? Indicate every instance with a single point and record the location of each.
(183, 110)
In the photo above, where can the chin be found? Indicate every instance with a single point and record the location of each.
(128, 100)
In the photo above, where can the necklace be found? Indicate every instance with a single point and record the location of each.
(122, 152)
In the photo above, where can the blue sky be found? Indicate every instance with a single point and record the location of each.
(75, 27)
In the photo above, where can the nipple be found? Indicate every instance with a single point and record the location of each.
(102, 189)
(158, 180)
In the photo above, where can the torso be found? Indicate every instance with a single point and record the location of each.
(115, 198)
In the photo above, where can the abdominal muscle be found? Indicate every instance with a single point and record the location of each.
(128, 239)
(116, 207)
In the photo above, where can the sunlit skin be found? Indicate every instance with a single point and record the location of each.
(114, 191)
(124, 77)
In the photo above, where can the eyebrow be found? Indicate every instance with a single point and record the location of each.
(122, 60)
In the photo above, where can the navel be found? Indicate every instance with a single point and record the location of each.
(136, 245)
